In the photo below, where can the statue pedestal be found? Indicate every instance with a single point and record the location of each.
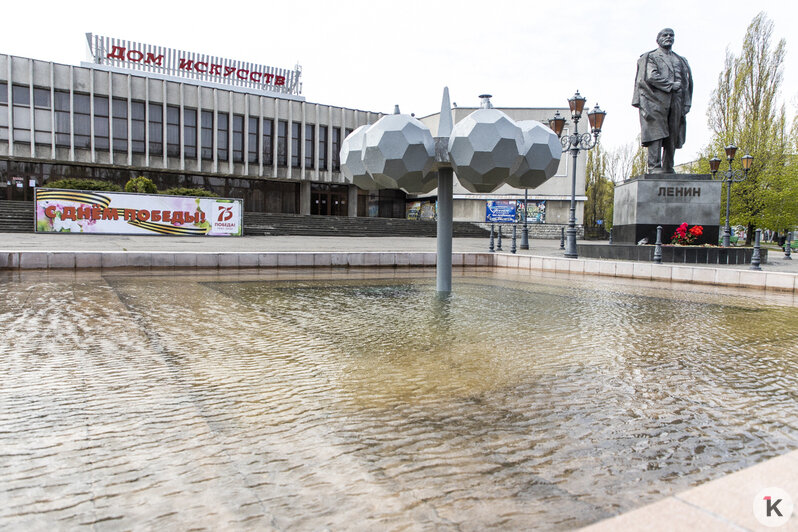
(646, 201)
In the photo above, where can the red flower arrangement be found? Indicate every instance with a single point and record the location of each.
(684, 236)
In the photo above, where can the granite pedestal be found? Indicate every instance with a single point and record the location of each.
(644, 202)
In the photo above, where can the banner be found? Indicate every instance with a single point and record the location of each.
(512, 211)
(119, 213)
(500, 211)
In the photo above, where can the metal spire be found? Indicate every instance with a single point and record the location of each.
(445, 123)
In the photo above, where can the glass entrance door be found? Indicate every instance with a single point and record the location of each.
(328, 200)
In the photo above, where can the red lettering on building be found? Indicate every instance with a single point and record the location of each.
(152, 58)
(216, 69)
(243, 71)
(117, 52)
(279, 80)
(229, 70)
(255, 76)
(186, 64)
(137, 57)
(203, 69)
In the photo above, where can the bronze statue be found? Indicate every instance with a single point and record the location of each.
(663, 94)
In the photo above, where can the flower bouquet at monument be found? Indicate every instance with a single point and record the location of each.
(686, 237)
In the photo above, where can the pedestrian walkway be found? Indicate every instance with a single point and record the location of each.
(41, 242)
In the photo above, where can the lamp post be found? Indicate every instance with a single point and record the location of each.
(575, 142)
(730, 176)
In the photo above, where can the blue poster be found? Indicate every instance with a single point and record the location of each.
(500, 211)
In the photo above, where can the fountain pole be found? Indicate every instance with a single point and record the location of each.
(443, 266)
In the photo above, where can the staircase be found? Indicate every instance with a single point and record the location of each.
(17, 217)
(259, 223)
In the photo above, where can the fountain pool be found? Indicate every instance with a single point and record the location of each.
(313, 399)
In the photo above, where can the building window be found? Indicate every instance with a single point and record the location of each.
(137, 127)
(336, 149)
(173, 131)
(222, 140)
(81, 124)
(207, 135)
(322, 147)
(4, 111)
(156, 129)
(267, 142)
(21, 100)
(282, 143)
(238, 138)
(42, 116)
(119, 110)
(62, 125)
(101, 125)
(190, 133)
(296, 129)
(310, 137)
(252, 134)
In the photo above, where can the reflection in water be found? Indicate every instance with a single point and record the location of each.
(250, 403)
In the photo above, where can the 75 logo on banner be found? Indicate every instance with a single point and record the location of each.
(225, 213)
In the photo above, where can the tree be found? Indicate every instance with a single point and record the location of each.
(626, 161)
(600, 190)
(744, 110)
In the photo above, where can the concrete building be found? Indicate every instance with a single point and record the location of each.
(112, 122)
(189, 120)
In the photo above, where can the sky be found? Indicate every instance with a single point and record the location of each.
(373, 54)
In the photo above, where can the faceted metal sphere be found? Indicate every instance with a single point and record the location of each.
(484, 147)
(399, 152)
(542, 152)
(352, 166)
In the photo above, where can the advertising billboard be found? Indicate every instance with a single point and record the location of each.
(512, 211)
(500, 211)
(118, 213)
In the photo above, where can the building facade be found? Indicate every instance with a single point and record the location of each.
(100, 121)
(194, 121)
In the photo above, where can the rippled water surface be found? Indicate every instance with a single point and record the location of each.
(257, 401)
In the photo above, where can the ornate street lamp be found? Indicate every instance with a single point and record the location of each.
(730, 176)
(486, 149)
(574, 143)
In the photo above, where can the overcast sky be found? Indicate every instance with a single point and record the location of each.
(373, 54)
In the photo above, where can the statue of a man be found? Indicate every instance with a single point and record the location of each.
(663, 94)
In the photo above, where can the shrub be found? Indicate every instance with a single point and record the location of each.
(83, 184)
(142, 185)
(180, 191)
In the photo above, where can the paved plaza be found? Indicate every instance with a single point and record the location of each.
(297, 244)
